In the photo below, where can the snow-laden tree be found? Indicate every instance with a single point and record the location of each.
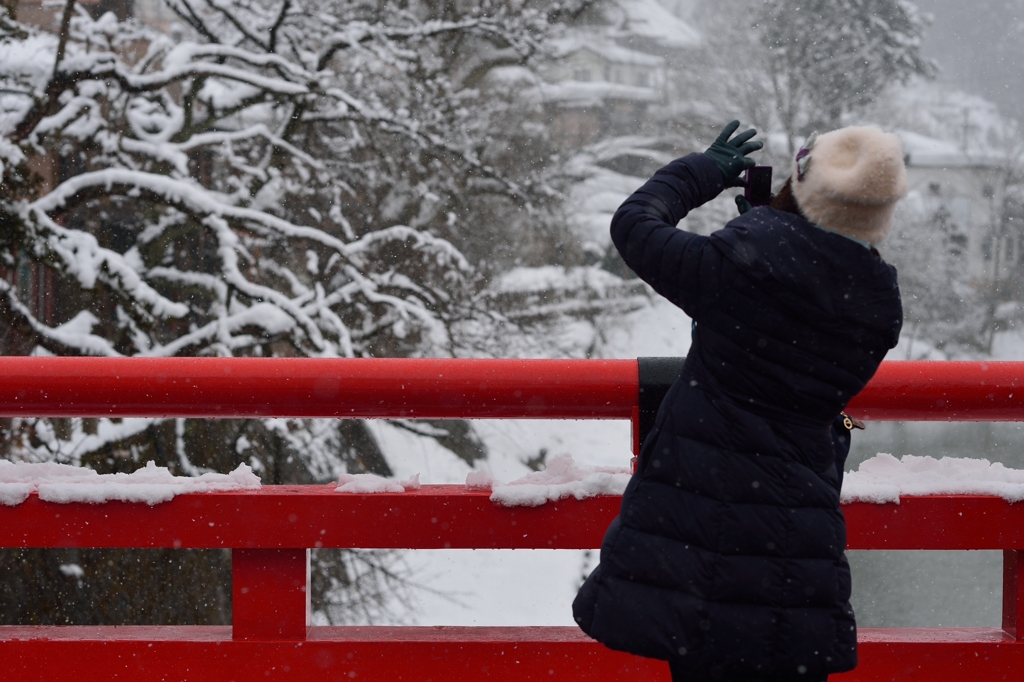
(960, 284)
(945, 305)
(276, 185)
(726, 77)
(287, 178)
(942, 306)
(296, 179)
(829, 57)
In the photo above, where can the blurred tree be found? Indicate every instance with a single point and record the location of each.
(728, 78)
(828, 57)
(942, 306)
(291, 178)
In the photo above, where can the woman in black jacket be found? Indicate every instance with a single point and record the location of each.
(727, 557)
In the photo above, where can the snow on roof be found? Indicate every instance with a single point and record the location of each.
(944, 127)
(650, 19)
(623, 55)
(574, 41)
(513, 75)
(924, 151)
(884, 479)
(63, 484)
(593, 93)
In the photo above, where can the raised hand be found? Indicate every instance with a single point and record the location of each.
(731, 155)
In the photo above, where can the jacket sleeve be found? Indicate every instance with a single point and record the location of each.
(681, 266)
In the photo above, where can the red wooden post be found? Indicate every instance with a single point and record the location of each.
(1013, 592)
(270, 593)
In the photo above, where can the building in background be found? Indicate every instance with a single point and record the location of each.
(963, 196)
(46, 14)
(612, 69)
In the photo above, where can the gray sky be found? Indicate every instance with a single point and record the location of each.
(979, 45)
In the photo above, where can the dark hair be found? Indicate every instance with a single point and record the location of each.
(785, 200)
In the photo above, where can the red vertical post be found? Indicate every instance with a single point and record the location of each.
(1013, 592)
(270, 593)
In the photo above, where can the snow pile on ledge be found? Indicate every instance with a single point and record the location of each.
(561, 478)
(883, 479)
(62, 483)
(370, 483)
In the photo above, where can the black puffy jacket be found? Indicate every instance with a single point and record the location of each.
(727, 557)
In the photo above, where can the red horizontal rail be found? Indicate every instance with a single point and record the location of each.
(443, 388)
(385, 654)
(329, 653)
(314, 516)
(303, 387)
(442, 517)
(270, 530)
(943, 391)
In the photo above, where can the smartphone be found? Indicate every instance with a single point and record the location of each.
(759, 185)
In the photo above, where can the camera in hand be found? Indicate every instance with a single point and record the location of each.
(759, 185)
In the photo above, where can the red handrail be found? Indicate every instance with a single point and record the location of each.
(271, 530)
(448, 517)
(443, 388)
(305, 387)
(943, 391)
(433, 517)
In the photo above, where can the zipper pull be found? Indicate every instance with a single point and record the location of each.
(850, 423)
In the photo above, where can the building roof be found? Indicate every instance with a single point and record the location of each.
(928, 152)
(604, 48)
(650, 19)
(593, 93)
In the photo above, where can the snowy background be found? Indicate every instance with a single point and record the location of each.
(375, 179)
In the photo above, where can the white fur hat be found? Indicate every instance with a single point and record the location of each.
(849, 180)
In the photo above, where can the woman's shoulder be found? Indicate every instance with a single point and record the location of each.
(760, 225)
(772, 242)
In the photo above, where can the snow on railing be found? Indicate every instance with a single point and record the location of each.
(883, 478)
(270, 529)
(62, 484)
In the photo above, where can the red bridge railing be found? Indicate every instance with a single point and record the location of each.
(270, 531)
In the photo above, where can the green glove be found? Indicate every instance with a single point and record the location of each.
(731, 155)
(742, 205)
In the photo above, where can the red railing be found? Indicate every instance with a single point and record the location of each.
(271, 530)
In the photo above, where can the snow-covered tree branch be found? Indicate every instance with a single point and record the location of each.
(248, 166)
(289, 178)
(826, 57)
